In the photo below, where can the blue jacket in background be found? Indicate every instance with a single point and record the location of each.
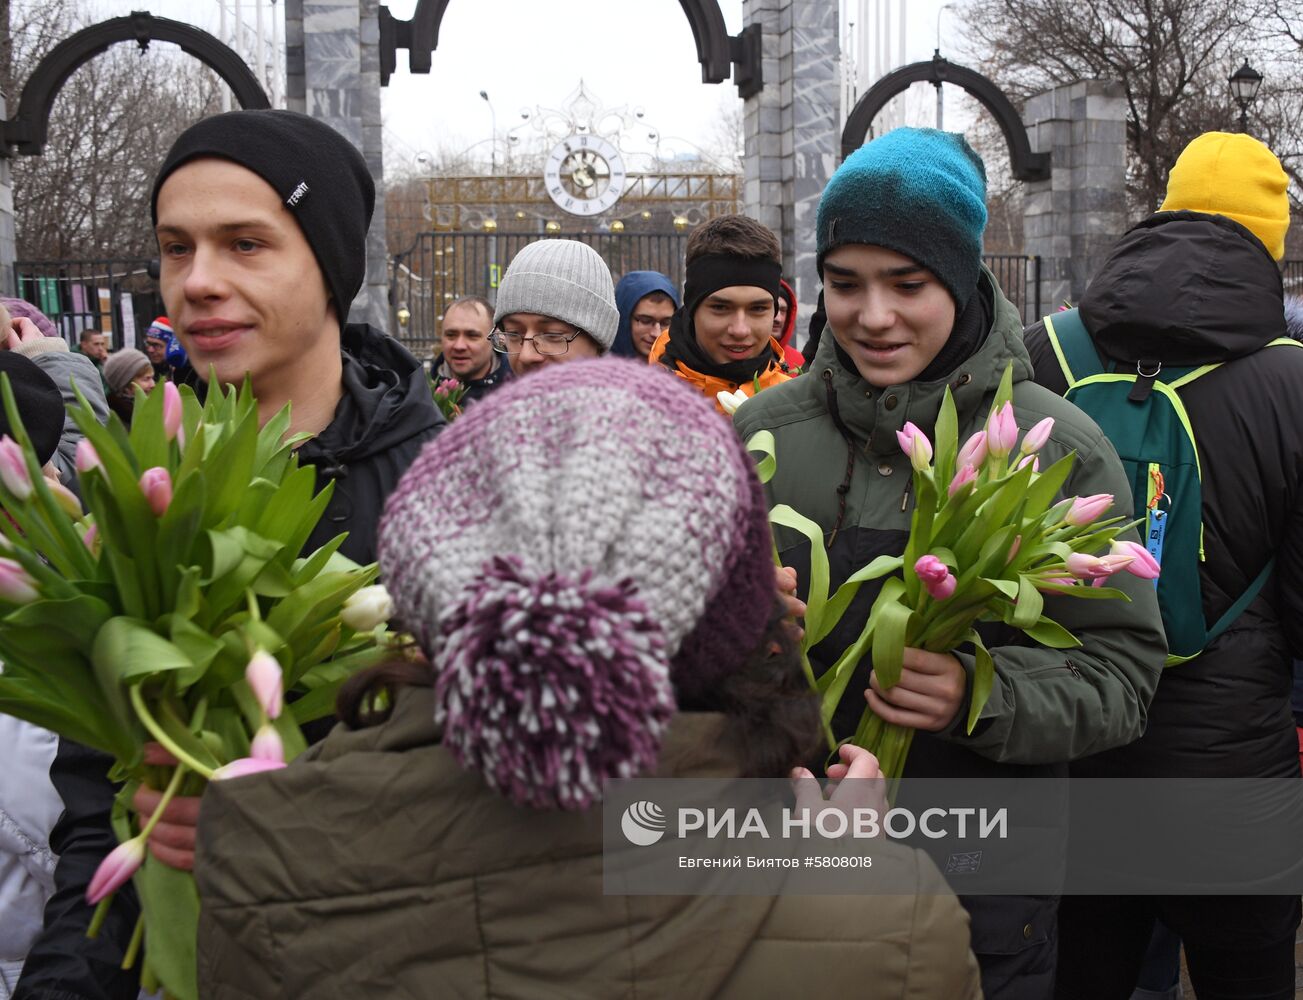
(632, 288)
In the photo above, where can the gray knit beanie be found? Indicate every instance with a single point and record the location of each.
(123, 366)
(564, 279)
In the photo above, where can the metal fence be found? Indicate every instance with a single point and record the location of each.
(117, 297)
(441, 267)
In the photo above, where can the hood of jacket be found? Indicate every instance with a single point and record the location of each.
(383, 405)
(633, 287)
(875, 417)
(1294, 317)
(1185, 288)
(774, 373)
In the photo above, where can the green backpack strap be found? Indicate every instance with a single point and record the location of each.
(1236, 609)
(1073, 346)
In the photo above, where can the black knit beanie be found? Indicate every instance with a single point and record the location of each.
(40, 404)
(316, 172)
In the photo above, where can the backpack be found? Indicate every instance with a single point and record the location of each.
(1141, 413)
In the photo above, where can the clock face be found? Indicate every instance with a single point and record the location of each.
(584, 175)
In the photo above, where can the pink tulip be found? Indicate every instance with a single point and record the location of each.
(1034, 439)
(156, 484)
(1033, 460)
(974, 450)
(1013, 549)
(244, 766)
(1084, 510)
(16, 584)
(91, 538)
(267, 745)
(1056, 581)
(1143, 564)
(936, 577)
(1086, 567)
(87, 457)
(962, 478)
(172, 410)
(1001, 431)
(13, 468)
(914, 443)
(264, 675)
(114, 871)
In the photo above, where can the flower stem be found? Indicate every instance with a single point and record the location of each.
(101, 911)
(133, 949)
(155, 730)
(168, 794)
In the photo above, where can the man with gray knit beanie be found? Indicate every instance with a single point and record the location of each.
(556, 303)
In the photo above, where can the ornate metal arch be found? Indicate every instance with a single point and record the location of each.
(1027, 166)
(719, 53)
(27, 131)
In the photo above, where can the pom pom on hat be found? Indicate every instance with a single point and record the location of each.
(1224, 173)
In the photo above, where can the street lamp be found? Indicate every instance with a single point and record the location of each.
(493, 119)
(1245, 82)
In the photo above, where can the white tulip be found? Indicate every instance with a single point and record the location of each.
(730, 401)
(369, 607)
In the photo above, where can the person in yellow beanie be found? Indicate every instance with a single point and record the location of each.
(1225, 173)
(1197, 284)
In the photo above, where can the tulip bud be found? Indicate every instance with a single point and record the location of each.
(1033, 460)
(1143, 564)
(1013, 549)
(914, 443)
(962, 478)
(172, 410)
(730, 401)
(1084, 510)
(114, 871)
(87, 457)
(244, 766)
(368, 608)
(1087, 567)
(16, 584)
(267, 745)
(91, 539)
(156, 484)
(1001, 431)
(935, 577)
(264, 675)
(974, 450)
(66, 499)
(13, 468)
(1034, 439)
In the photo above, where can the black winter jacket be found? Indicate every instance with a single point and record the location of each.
(1190, 289)
(384, 417)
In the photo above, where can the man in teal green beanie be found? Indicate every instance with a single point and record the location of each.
(912, 311)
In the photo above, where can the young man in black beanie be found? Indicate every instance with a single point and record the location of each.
(261, 219)
(720, 340)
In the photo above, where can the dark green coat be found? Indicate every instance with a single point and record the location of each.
(1047, 706)
(375, 867)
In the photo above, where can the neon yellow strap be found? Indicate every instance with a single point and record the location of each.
(1058, 352)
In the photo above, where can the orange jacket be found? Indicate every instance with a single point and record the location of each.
(709, 385)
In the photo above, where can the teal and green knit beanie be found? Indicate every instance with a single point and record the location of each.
(917, 191)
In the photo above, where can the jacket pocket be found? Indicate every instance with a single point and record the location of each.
(1009, 925)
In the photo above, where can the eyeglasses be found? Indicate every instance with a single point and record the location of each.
(640, 320)
(548, 344)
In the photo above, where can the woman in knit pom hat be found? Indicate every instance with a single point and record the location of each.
(912, 311)
(123, 371)
(451, 843)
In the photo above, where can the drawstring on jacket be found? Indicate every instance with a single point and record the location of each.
(845, 486)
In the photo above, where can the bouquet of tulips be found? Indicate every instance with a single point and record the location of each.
(987, 542)
(175, 611)
(448, 394)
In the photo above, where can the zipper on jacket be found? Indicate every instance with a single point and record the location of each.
(904, 500)
(1073, 667)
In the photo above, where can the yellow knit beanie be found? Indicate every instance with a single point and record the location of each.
(1222, 173)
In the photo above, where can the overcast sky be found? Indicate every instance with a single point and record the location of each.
(530, 53)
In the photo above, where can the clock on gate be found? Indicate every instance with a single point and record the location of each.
(584, 175)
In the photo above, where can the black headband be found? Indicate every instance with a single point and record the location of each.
(712, 272)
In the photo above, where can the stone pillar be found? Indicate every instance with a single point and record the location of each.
(332, 72)
(1073, 219)
(792, 131)
(8, 231)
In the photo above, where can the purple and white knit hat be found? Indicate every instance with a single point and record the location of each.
(580, 552)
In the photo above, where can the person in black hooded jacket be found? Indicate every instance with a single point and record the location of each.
(1196, 284)
(261, 218)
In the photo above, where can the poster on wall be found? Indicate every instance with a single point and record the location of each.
(106, 311)
(128, 320)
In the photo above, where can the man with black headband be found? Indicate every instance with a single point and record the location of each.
(721, 339)
(912, 312)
